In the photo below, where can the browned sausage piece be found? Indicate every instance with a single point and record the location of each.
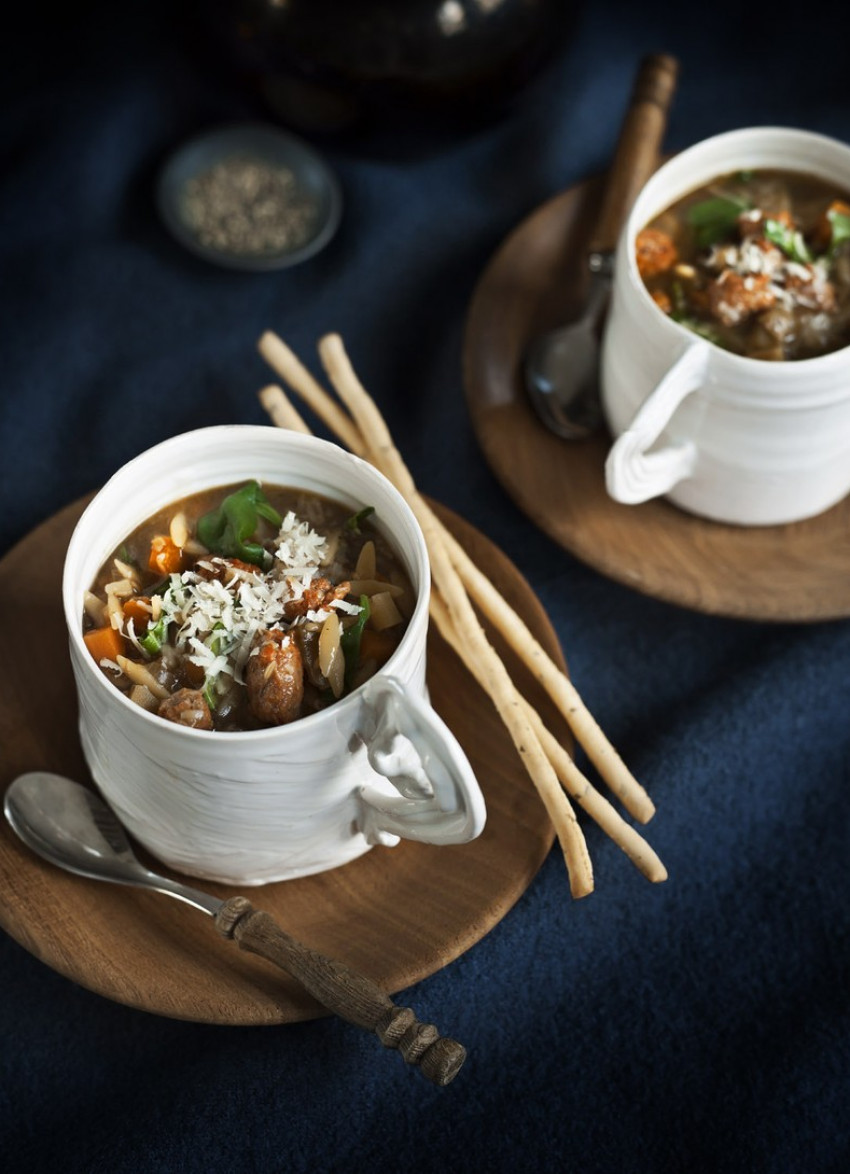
(321, 593)
(187, 707)
(274, 678)
(734, 298)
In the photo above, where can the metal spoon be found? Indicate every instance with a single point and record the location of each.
(562, 367)
(70, 826)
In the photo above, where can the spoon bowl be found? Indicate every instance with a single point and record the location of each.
(562, 371)
(70, 826)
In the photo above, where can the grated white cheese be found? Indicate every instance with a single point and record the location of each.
(299, 548)
(751, 258)
(129, 631)
(344, 605)
(215, 624)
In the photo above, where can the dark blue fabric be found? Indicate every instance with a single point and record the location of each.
(702, 1025)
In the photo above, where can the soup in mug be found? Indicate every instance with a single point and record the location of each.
(247, 606)
(756, 262)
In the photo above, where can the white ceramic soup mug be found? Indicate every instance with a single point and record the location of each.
(256, 806)
(734, 439)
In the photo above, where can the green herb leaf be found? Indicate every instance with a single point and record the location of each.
(266, 510)
(161, 585)
(680, 302)
(682, 314)
(356, 520)
(714, 219)
(210, 693)
(155, 637)
(703, 329)
(226, 530)
(840, 222)
(349, 641)
(216, 644)
(789, 240)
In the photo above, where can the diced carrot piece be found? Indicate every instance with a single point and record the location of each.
(654, 252)
(376, 646)
(104, 643)
(165, 556)
(662, 301)
(734, 298)
(137, 609)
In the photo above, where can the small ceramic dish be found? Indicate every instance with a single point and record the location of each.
(250, 197)
(735, 439)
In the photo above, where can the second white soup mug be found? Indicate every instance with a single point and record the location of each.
(734, 439)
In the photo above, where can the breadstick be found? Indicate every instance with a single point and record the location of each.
(559, 687)
(276, 403)
(599, 750)
(580, 788)
(281, 409)
(290, 368)
(382, 453)
(537, 765)
(387, 457)
(556, 683)
(597, 806)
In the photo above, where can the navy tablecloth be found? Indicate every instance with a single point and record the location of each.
(699, 1025)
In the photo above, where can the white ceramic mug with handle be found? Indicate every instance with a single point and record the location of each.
(731, 438)
(264, 805)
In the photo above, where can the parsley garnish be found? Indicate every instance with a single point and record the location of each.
(840, 222)
(356, 520)
(349, 641)
(225, 531)
(789, 240)
(714, 219)
(155, 636)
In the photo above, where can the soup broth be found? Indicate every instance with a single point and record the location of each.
(247, 606)
(756, 262)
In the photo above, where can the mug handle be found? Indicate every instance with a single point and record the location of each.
(433, 795)
(632, 473)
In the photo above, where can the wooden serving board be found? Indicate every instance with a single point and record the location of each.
(396, 914)
(796, 572)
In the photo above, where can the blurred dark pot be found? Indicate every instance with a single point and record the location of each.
(328, 64)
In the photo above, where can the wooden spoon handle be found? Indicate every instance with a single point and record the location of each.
(638, 147)
(348, 994)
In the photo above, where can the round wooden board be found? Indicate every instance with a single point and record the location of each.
(396, 914)
(797, 572)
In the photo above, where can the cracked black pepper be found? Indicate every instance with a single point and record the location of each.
(247, 206)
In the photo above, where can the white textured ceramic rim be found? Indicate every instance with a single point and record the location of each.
(420, 577)
(649, 204)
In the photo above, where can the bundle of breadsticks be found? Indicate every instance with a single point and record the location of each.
(458, 588)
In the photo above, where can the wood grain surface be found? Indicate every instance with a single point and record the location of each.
(795, 572)
(395, 914)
